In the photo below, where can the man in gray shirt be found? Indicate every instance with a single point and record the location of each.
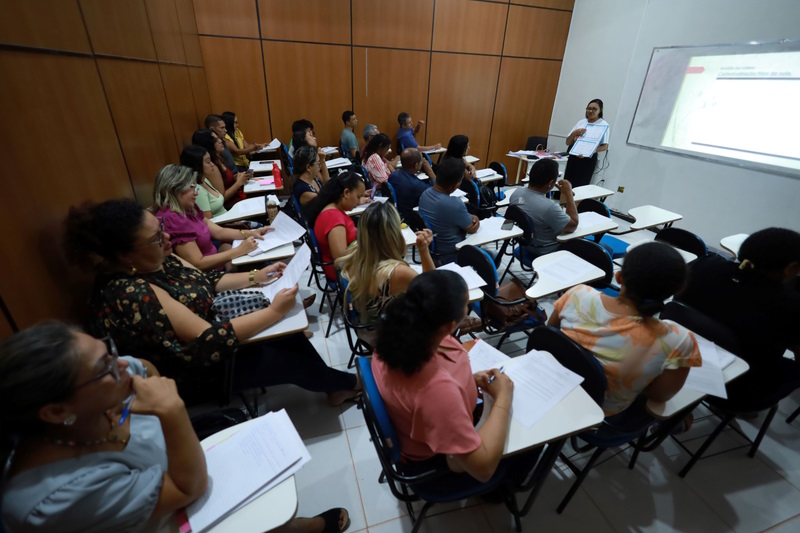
(348, 138)
(447, 216)
(549, 220)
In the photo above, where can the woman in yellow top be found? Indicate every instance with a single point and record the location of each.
(235, 142)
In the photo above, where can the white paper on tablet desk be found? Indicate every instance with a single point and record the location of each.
(284, 231)
(483, 356)
(590, 219)
(291, 274)
(566, 270)
(470, 277)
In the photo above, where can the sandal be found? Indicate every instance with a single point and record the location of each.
(308, 302)
(331, 518)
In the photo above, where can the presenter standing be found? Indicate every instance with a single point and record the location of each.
(579, 168)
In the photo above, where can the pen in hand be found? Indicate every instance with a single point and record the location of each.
(127, 409)
(491, 378)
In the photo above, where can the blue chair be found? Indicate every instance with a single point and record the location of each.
(482, 262)
(289, 159)
(474, 205)
(330, 289)
(426, 156)
(685, 240)
(387, 190)
(418, 222)
(431, 484)
(521, 246)
(579, 360)
(599, 257)
(500, 168)
(353, 324)
(615, 247)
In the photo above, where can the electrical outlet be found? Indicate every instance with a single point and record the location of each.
(620, 189)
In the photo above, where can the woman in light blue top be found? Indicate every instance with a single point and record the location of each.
(78, 461)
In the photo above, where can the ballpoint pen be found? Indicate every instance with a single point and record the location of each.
(127, 409)
(499, 370)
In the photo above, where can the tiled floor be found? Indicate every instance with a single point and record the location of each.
(729, 492)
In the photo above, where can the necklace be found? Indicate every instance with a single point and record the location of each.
(108, 438)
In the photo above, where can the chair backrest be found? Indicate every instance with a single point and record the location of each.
(522, 220)
(573, 356)
(536, 143)
(685, 240)
(400, 146)
(482, 262)
(298, 210)
(473, 193)
(702, 324)
(596, 255)
(500, 168)
(289, 160)
(388, 190)
(426, 156)
(596, 206)
(375, 415)
(416, 221)
(316, 254)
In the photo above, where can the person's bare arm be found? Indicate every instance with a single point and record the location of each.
(323, 167)
(353, 152)
(602, 148)
(337, 241)
(424, 240)
(427, 148)
(191, 253)
(554, 320)
(426, 168)
(241, 180)
(573, 136)
(241, 280)
(307, 197)
(475, 226)
(230, 234)
(572, 209)
(666, 385)
(235, 150)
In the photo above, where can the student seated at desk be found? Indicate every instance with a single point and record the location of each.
(370, 131)
(374, 157)
(405, 135)
(348, 138)
(335, 230)
(639, 353)
(217, 125)
(76, 465)
(424, 377)
(307, 138)
(458, 147)
(223, 180)
(447, 216)
(305, 183)
(549, 220)
(407, 186)
(234, 141)
(758, 299)
(302, 126)
(156, 305)
(174, 202)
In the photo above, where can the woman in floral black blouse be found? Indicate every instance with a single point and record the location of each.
(155, 305)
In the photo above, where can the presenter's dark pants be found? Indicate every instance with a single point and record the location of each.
(579, 171)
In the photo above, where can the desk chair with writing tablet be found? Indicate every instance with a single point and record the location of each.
(685, 240)
(615, 247)
(418, 222)
(498, 185)
(599, 257)
(430, 481)
(286, 159)
(520, 246)
(353, 324)
(726, 410)
(609, 435)
(475, 204)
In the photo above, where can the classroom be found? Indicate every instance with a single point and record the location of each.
(123, 108)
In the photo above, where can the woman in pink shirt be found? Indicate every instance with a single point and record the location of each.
(375, 159)
(174, 202)
(424, 377)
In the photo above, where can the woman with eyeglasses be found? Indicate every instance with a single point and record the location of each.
(80, 459)
(306, 182)
(306, 138)
(175, 202)
(158, 306)
(220, 177)
(579, 168)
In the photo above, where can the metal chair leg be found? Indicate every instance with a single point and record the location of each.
(793, 416)
(763, 430)
(579, 479)
(699, 453)
(418, 521)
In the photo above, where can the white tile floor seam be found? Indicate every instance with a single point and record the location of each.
(726, 493)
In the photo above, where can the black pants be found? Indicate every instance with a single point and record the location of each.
(290, 359)
(579, 170)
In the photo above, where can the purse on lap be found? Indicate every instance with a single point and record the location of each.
(235, 303)
(514, 315)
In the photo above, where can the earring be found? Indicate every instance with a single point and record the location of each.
(70, 419)
(133, 270)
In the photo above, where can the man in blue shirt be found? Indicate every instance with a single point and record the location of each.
(447, 216)
(407, 186)
(348, 138)
(405, 135)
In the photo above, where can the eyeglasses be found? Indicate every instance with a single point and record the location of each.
(160, 240)
(111, 366)
(592, 109)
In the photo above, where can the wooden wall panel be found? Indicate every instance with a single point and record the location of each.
(537, 33)
(568, 5)
(235, 75)
(119, 28)
(462, 92)
(237, 18)
(46, 24)
(188, 25)
(202, 102)
(5, 327)
(305, 20)
(182, 111)
(141, 115)
(166, 30)
(515, 118)
(392, 24)
(377, 95)
(466, 26)
(320, 92)
(65, 111)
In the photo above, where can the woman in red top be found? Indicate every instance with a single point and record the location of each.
(333, 229)
(225, 180)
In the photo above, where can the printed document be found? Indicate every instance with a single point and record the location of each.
(284, 231)
(291, 274)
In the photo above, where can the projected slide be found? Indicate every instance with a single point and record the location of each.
(739, 106)
(730, 103)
